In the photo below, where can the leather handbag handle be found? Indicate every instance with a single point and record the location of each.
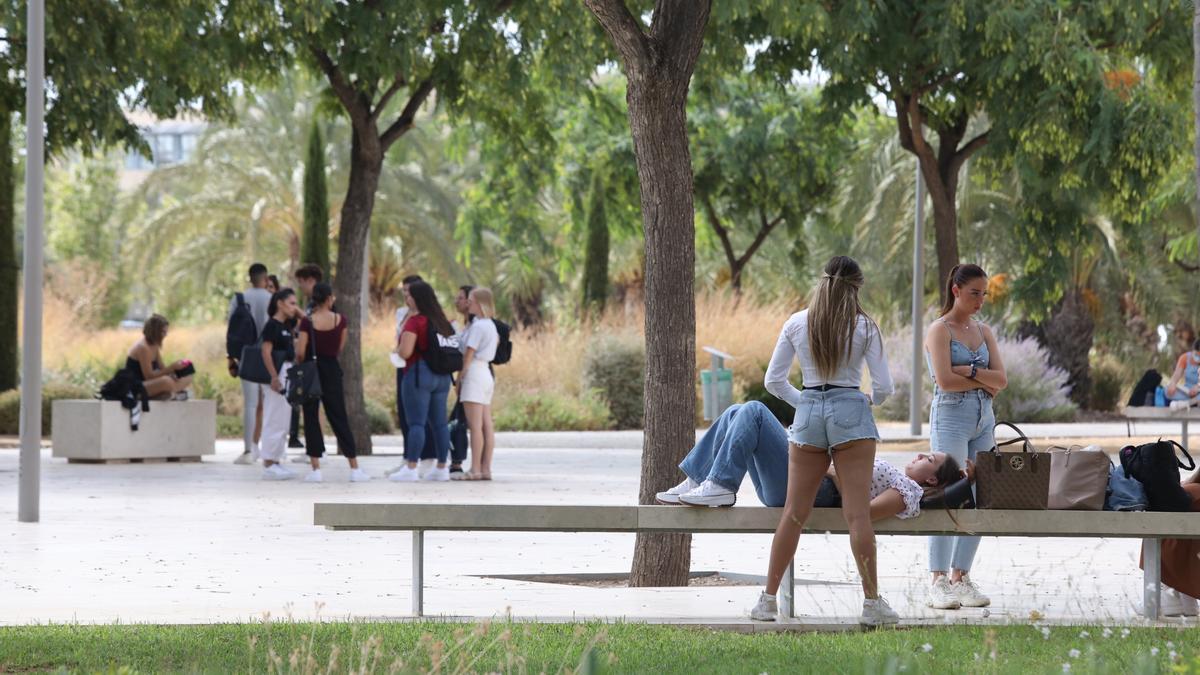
(1191, 465)
(1021, 438)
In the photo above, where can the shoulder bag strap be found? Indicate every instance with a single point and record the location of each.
(1191, 465)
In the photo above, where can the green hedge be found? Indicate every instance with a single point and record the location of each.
(10, 406)
(614, 370)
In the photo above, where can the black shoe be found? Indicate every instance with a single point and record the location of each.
(295, 443)
(456, 468)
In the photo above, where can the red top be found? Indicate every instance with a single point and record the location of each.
(327, 342)
(418, 325)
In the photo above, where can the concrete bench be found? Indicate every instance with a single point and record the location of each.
(1151, 528)
(94, 431)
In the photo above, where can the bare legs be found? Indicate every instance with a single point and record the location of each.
(166, 386)
(854, 462)
(483, 438)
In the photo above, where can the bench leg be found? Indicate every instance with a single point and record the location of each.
(1151, 577)
(787, 592)
(1185, 434)
(418, 573)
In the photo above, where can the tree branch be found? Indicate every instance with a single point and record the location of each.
(359, 114)
(679, 25)
(717, 227)
(405, 121)
(764, 230)
(964, 153)
(625, 31)
(387, 95)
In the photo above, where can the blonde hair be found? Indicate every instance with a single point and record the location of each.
(487, 304)
(833, 314)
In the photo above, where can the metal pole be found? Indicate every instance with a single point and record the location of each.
(918, 293)
(31, 350)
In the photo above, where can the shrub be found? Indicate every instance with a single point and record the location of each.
(229, 426)
(897, 346)
(1108, 381)
(379, 419)
(552, 412)
(1037, 391)
(781, 409)
(10, 405)
(614, 368)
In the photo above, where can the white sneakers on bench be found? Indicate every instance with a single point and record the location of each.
(671, 497)
(689, 493)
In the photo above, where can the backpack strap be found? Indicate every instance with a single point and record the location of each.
(241, 299)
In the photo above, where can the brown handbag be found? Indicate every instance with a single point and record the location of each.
(1013, 480)
(1078, 478)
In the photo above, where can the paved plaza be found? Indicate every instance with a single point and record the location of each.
(210, 542)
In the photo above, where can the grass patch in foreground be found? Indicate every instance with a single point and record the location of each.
(291, 647)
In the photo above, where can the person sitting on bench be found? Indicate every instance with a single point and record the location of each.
(144, 362)
(1187, 369)
(747, 438)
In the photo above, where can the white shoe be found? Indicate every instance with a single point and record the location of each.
(941, 595)
(245, 459)
(358, 476)
(672, 496)
(313, 476)
(300, 459)
(393, 470)
(437, 475)
(708, 494)
(425, 466)
(277, 472)
(1174, 603)
(406, 474)
(968, 594)
(766, 609)
(878, 613)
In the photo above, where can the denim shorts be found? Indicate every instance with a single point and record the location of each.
(826, 419)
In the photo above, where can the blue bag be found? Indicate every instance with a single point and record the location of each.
(1125, 493)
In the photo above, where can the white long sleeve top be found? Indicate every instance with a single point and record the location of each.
(866, 344)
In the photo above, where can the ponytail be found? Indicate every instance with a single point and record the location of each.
(960, 275)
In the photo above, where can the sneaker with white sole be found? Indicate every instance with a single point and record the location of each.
(277, 472)
(436, 475)
(313, 476)
(425, 466)
(358, 476)
(300, 459)
(245, 459)
(671, 497)
(877, 612)
(1174, 603)
(968, 594)
(406, 474)
(709, 494)
(941, 595)
(767, 609)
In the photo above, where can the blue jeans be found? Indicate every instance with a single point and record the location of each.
(745, 438)
(961, 424)
(427, 452)
(425, 393)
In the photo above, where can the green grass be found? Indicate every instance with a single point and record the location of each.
(615, 648)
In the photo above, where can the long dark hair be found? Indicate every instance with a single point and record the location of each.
(321, 292)
(833, 313)
(429, 307)
(279, 296)
(960, 275)
(949, 472)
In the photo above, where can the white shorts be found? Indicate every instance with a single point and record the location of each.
(477, 384)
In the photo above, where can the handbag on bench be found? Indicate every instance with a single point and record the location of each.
(1013, 480)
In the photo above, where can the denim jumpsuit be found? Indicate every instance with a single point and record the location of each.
(1191, 376)
(961, 424)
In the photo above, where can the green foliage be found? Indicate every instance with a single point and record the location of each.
(553, 412)
(781, 409)
(229, 426)
(379, 419)
(595, 257)
(615, 368)
(314, 248)
(10, 406)
(1109, 378)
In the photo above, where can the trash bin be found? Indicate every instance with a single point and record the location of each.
(716, 385)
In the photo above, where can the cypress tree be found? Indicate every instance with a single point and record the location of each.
(314, 244)
(8, 260)
(595, 257)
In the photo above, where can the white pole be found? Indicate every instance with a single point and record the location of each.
(31, 350)
(918, 309)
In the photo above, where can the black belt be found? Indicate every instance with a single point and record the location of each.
(827, 387)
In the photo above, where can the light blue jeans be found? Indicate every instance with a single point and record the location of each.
(746, 438)
(961, 424)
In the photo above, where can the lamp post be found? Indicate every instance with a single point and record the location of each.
(918, 293)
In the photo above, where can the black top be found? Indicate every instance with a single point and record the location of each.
(135, 368)
(281, 337)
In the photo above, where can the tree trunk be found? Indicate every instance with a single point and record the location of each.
(366, 164)
(659, 123)
(945, 229)
(8, 260)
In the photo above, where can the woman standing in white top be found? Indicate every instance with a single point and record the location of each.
(831, 339)
(476, 385)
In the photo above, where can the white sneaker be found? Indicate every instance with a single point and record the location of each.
(968, 594)
(766, 609)
(358, 476)
(708, 494)
(671, 496)
(941, 595)
(437, 475)
(313, 476)
(246, 458)
(406, 474)
(877, 612)
(1174, 603)
(277, 472)
(425, 466)
(394, 469)
(299, 459)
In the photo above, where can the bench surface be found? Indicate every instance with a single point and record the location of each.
(754, 519)
(1146, 412)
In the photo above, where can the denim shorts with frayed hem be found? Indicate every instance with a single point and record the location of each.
(827, 419)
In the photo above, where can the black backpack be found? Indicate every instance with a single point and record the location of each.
(504, 348)
(1157, 468)
(442, 354)
(241, 331)
(1145, 388)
